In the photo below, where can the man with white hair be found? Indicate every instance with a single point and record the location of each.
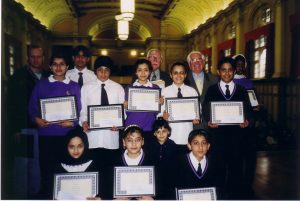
(197, 77)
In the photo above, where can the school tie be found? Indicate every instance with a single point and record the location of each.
(153, 77)
(104, 98)
(179, 95)
(80, 79)
(227, 92)
(199, 170)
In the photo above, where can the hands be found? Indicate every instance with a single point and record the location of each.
(245, 124)
(41, 122)
(85, 126)
(125, 104)
(161, 100)
(211, 125)
(66, 124)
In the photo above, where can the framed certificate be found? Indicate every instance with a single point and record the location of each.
(196, 194)
(59, 108)
(183, 109)
(104, 117)
(134, 181)
(75, 185)
(143, 100)
(227, 112)
(252, 97)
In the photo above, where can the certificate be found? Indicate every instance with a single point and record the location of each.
(252, 97)
(134, 181)
(227, 112)
(59, 108)
(143, 99)
(104, 117)
(75, 185)
(183, 109)
(196, 194)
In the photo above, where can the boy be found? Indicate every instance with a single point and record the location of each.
(228, 139)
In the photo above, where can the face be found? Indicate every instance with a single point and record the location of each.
(80, 60)
(226, 72)
(59, 68)
(240, 67)
(155, 59)
(162, 134)
(142, 72)
(133, 143)
(197, 64)
(199, 147)
(76, 147)
(178, 75)
(36, 58)
(103, 73)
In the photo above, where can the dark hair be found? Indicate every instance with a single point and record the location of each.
(83, 49)
(199, 132)
(179, 64)
(239, 58)
(132, 129)
(103, 61)
(58, 55)
(161, 123)
(226, 60)
(31, 47)
(142, 61)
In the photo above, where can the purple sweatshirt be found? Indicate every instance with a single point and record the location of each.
(47, 89)
(144, 120)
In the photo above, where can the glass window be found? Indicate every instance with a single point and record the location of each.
(260, 55)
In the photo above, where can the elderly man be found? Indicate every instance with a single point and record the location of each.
(197, 77)
(155, 57)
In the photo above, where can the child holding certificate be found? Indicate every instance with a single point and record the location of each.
(51, 134)
(229, 138)
(76, 156)
(144, 120)
(178, 89)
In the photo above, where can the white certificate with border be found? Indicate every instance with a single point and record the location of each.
(252, 97)
(227, 112)
(58, 108)
(75, 185)
(134, 181)
(183, 109)
(104, 117)
(143, 99)
(196, 194)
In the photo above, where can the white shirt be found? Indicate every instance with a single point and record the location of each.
(51, 79)
(195, 162)
(91, 95)
(180, 131)
(133, 161)
(223, 86)
(87, 75)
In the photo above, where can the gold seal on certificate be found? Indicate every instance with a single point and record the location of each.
(58, 108)
(143, 99)
(196, 194)
(70, 186)
(183, 109)
(105, 117)
(227, 112)
(134, 181)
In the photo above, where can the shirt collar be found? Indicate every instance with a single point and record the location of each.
(137, 84)
(66, 80)
(133, 161)
(231, 84)
(195, 161)
(82, 71)
(105, 82)
(174, 85)
(195, 76)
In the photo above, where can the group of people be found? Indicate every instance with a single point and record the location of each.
(190, 154)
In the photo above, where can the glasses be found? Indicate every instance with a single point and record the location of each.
(196, 59)
(132, 141)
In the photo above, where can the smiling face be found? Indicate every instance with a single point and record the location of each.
(103, 73)
(178, 75)
(142, 72)
(161, 135)
(133, 142)
(76, 147)
(197, 64)
(80, 60)
(226, 72)
(155, 58)
(199, 147)
(59, 68)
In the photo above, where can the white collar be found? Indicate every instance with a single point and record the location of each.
(195, 161)
(174, 85)
(137, 84)
(82, 71)
(133, 161)
(236, 76)
(105, 82)
(51, 79)
(223, 84)
(76, 168)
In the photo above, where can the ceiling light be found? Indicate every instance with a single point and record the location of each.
(127, 9)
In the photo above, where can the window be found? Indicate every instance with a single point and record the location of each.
(227, 52)
(260, 55)
(11, 59)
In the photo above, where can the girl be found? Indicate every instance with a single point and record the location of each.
(178, 89)
(144, 120)
(50, 134)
